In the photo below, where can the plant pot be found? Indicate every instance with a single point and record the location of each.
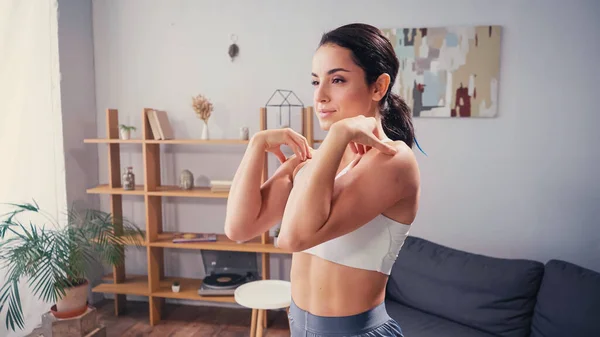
(74, 302)
(68, 314)
(125, 134)
(175, 288)
(275, 241)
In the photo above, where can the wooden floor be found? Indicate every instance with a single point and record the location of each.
(187, 321)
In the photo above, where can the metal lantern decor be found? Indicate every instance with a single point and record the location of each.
(284, 102)
(287, 100)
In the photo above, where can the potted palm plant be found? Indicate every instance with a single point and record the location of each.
(55, 259)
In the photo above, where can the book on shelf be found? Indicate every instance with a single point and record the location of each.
(194, 237)
(160, 125)
(220, 185)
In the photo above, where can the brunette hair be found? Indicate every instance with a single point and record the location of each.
(374, 53)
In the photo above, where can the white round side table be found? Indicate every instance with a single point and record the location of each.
(263, 295)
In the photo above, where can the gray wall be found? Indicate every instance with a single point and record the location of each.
(78, 99)
(521, 185)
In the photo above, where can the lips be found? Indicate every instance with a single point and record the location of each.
(325, 112)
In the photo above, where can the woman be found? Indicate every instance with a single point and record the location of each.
(346, 208)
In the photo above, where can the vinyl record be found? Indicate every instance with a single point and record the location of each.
(223, 280)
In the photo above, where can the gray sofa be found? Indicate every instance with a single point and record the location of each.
(438, 291)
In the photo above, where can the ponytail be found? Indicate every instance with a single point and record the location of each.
(397, 120)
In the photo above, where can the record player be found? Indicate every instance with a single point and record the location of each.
(225, 271)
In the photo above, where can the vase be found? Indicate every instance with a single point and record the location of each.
(125, 134)
(205, 131)
(128, 179)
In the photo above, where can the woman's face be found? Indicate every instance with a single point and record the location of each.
(340, 87)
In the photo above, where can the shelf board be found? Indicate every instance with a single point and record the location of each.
(131, 277)
(166, 141)
(106, 189)
(196, 192)
(188, 290)
(222, 243)
(164, 191)
(113, 141)
(133, 285)
(133, 244)
(197, 141)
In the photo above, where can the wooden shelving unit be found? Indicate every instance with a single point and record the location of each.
(155, 285)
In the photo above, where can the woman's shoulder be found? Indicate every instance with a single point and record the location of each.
(402, 166)
(404, 156)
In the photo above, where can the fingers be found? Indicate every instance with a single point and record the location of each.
(371, 142)
(299, 144)
(353, 147)
(277, 152)
(308, 152)
(361, 149)
(297, 150)
(383, 147)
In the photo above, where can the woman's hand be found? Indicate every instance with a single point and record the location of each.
(273, 139)
(362, 135)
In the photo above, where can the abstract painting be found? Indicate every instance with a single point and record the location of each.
(448, 71)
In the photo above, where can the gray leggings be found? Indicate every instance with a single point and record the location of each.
(371, 323)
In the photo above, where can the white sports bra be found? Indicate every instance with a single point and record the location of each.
(373, 246)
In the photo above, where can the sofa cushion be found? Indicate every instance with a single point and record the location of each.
(568, 302)
(490, 294)
(415, 323)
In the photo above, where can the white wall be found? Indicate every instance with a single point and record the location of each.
(521, 185)
(31, 133)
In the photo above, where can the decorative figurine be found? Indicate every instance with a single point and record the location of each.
(244, 133)
(186, 180)
(129, 179)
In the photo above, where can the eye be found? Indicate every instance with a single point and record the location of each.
(338, 80)
(314, 83)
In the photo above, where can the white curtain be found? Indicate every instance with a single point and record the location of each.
(32, 164)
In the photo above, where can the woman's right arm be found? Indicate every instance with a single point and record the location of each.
(254, 207)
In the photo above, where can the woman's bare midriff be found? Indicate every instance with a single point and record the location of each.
(325, 288)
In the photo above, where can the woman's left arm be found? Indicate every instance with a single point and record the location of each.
(321, 207)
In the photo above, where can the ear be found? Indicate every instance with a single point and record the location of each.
(380, 87)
